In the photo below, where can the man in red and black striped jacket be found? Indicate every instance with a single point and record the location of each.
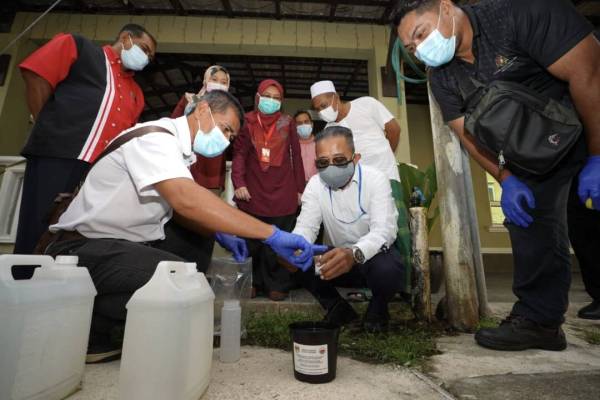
(81, 96)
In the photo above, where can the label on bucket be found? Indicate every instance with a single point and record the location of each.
(310, 360)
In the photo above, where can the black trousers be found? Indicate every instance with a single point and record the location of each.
(118, 268)
(44, 178)
(542, 260)
(383, 274)
(267, 274)
(584, 232)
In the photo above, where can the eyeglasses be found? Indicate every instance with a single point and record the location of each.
(323, 163)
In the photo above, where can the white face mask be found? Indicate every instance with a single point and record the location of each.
(329, 114)
(134, 57)
(210, 86)
(436, 49)
(212, 143)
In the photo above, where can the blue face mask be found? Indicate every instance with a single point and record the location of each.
(134, 58)
(437, 50)
(268, 106)
(210, 144)
(304, 130)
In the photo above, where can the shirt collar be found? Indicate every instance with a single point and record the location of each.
(114, 58)
(183, 135)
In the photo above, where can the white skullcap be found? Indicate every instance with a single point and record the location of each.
(321, 87)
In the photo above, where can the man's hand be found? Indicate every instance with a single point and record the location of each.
(336, 262)
(589, 182)
(234, 244)
(293, 248)
(513, 193)
(242, 194)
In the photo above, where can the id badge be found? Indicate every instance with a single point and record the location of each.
(265, 155)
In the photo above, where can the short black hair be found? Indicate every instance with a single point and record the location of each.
(136, 31)
(336, 131)
(403, 7)
(300, 112)
(220, 101)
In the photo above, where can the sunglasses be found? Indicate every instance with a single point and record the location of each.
(323, 163)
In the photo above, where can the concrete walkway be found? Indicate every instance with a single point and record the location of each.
(472, 372)
(268, 374)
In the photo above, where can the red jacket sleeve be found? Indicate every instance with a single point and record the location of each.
(297, 158)
(53, 60)
(242, 145)
(179, 108)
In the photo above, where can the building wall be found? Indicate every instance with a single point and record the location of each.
(227, 36)
(493, 239)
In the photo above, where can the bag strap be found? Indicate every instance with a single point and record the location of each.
(467, 85)
(121, 140)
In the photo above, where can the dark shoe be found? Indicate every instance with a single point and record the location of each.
(277, 296)
(591, 311)
(253, 293)
(375, 324)
(517, 333)
(97, 354)
(340, 314)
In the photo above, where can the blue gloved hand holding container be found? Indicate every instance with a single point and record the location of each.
(589, 183)
(294, 248)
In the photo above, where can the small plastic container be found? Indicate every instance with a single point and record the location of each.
(44, 327)
(315, 347)
(231, 328)
(168, 344)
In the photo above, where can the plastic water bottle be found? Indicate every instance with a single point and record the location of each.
(231, 316)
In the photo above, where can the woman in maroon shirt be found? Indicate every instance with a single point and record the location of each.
(268, 178)
(207, 172)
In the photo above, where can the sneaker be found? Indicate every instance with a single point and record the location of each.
(98, 354)
(340, 314)
(591, 311)
(275, 295)
(517, 333)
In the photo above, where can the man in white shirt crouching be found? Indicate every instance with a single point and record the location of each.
(354, 203)
(139, 205)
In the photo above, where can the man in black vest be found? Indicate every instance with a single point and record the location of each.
(81, 96)
(548, 46)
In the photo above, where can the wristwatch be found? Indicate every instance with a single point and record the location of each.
(358, 255)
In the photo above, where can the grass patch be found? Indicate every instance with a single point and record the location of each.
(488, 322)
(408, 343)
(590, 335)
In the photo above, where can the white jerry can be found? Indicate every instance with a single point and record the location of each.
(167, 349)
(44, 327)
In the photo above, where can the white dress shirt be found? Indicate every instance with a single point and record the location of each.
(118, 199)
(368, 223)
(366, 119)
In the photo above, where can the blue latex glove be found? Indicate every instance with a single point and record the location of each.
(287, 245)
(513, 193)
(233, 244)
(589, 182)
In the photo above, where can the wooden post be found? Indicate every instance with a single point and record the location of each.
(420, 244)
(459, 225)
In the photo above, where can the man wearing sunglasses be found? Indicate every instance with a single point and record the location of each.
(354, 203)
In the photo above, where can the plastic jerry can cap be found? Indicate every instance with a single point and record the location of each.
(67, 260)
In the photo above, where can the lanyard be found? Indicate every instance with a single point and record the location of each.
(362, 211)
(267, 134)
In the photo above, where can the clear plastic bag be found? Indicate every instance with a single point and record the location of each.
(230, 280)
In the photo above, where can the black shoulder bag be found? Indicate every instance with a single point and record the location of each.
(525, 130)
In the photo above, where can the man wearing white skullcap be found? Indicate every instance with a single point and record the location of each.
(376, 132)
(376, 135)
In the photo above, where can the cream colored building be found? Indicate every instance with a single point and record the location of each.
(195, 33)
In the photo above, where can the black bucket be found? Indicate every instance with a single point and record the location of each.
(314, 350)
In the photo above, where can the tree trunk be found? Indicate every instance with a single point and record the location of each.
(420, 244)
